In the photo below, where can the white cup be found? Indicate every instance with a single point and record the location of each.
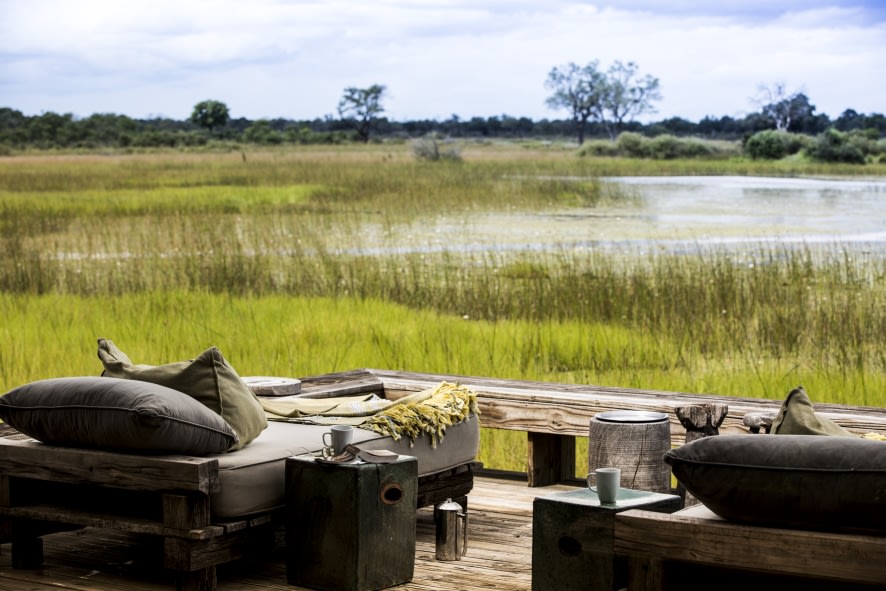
(338, 437)
(608, 483)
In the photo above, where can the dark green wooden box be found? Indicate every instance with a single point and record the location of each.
(350, 527)
(573, 534)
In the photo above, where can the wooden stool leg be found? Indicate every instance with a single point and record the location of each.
(198, 580)
(27, 551)
(645, 574)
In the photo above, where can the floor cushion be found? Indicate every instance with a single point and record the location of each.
(798, 481)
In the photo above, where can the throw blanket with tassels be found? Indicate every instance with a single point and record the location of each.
(427, 412)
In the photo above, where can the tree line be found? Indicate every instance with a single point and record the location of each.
(54, 130)
(601, 103)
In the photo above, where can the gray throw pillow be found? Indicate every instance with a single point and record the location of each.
(115, 415)
(209, 379)
(798, 481)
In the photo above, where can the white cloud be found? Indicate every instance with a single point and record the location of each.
(278, 58)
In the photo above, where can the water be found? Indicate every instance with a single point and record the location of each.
(673, 214)
(729, 209)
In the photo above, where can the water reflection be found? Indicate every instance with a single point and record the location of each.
(674, 214)
(757, 208)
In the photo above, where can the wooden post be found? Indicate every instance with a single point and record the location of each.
(551, 458)
(200, 580)
(5, 501)
(701, 420)
(182, 513)
(645, 574)
(755, 421)
(27, 546)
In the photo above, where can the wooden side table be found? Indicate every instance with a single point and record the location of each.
(350, 526)
(572, 538)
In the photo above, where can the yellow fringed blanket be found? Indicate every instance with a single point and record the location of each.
(430, 411)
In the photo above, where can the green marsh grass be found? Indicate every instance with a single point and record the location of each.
(258, 253)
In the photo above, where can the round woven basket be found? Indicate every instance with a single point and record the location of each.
(635, 442)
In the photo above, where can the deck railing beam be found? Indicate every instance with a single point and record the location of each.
(554, 414)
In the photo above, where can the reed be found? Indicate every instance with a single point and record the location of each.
(290, 262)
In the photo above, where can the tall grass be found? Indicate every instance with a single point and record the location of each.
(291, 263)
(55, 335)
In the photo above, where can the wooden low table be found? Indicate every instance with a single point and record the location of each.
(572, 536)
(351, 525)
(654, 542)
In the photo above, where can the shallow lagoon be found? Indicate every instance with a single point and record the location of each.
(675, 214)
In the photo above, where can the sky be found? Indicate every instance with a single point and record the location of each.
(437, 58)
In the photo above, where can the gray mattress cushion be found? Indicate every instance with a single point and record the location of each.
(252, 479)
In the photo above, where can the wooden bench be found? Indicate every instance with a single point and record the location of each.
(46, 489)
(653, 542)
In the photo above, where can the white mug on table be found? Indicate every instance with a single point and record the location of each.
(338, 437)
(608, 482)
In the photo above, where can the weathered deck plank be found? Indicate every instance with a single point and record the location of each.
(499, 554)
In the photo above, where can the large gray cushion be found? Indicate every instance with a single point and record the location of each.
(208, 378)
(253, 479)
(115, 414)
(799, 481)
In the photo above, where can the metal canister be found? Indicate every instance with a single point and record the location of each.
(452, 544)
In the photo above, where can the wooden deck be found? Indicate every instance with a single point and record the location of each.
(499, 554)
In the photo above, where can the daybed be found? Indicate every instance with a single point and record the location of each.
(203, 511)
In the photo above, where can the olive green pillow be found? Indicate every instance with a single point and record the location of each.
(797, 417)
(115, 415)
(209, 379)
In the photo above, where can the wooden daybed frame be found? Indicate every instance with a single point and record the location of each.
(656, 543)
(46, 489)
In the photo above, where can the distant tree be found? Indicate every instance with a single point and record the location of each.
(261, 132)
(848, 120)
(579, 90)
(838, 146)
(673, 125)
(50, 130)
(769, 144)
(360, 106)
(626, 96)
(13, 126)
(107, 129)
(612, 98)
(876, 121)
(802, 113)
(787, 111)
(210, 114)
